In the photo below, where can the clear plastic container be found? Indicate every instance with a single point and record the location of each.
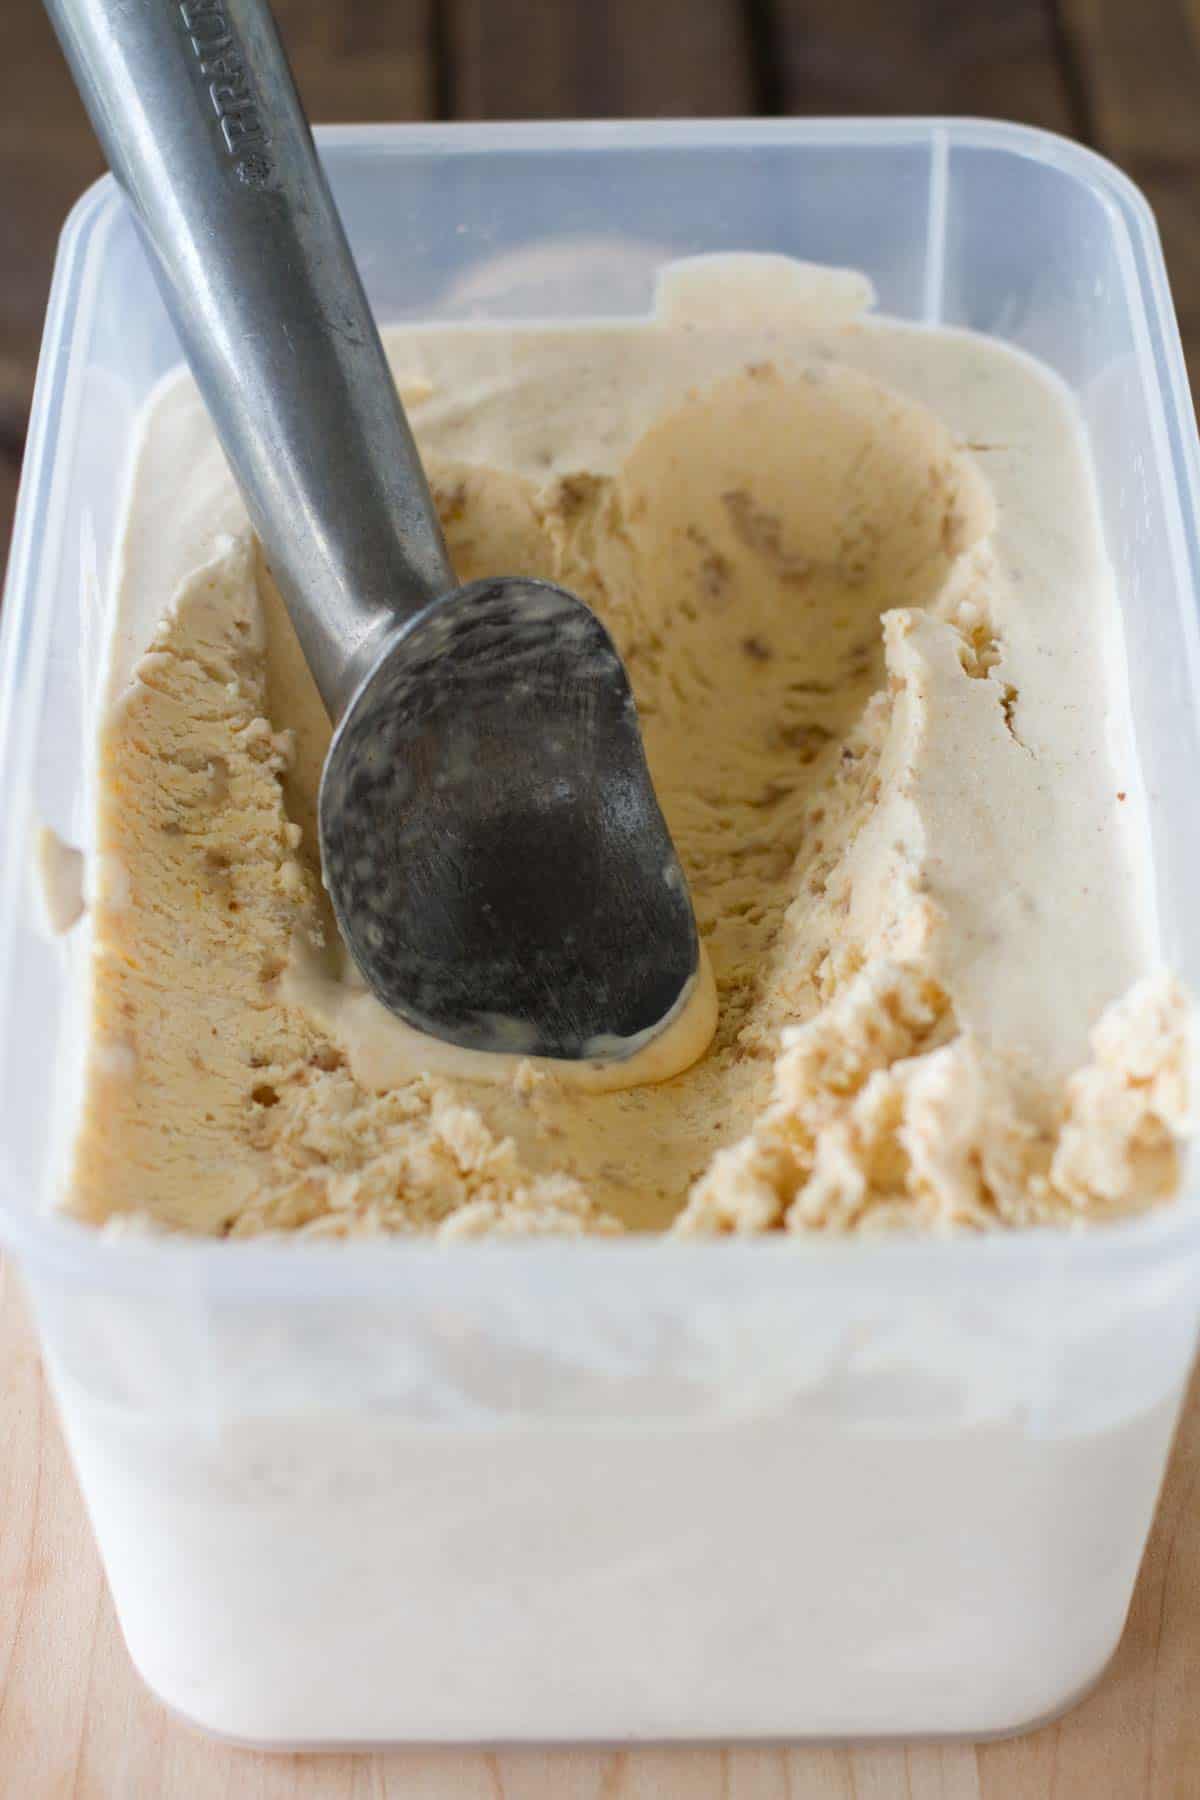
(642, 1489)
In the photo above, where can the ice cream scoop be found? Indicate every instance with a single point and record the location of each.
(491, 841)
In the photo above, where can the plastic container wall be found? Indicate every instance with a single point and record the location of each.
(643, 1490)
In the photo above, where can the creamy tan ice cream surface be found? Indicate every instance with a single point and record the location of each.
(856, 571)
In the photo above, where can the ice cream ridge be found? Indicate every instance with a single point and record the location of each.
(856, 572)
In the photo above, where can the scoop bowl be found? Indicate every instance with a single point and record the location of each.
(496, 857)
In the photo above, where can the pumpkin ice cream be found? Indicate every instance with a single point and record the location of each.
(856, 572)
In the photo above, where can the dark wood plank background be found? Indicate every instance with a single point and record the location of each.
(1122, 75)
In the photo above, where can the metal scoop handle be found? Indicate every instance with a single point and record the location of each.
(197, 112)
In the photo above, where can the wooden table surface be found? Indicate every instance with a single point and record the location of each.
(1122, 75)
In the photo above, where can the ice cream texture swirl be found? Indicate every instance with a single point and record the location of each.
(856, 572)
